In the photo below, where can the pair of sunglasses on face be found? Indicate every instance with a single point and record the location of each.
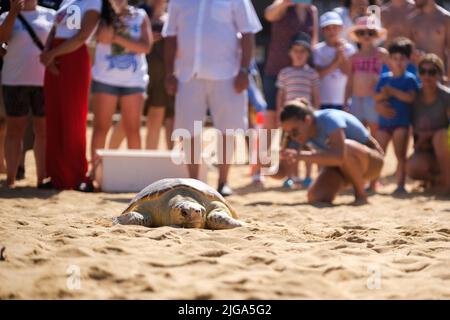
(362, 33)
(430, 72)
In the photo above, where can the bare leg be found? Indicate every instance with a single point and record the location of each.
(131, 116)
(420, 166)
(2, 144)
(356, 163)
(21, 165)
(383, 138)
(326, 186)
(39, 147)
(27, 144)
(193, 168)
(104, 106)
(270, 123)
(226, 156)
(400, 142)
(441, 149)
(117, 136)
(308, 167)
(13, 146)
(169, 125)
(291, 168)
(155, 119)
(373, 128)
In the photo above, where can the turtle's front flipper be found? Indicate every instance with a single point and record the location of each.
(218, 217)
(134, 218)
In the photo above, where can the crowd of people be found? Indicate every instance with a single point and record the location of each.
(341, 85)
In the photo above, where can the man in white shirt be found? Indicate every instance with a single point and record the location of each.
(209, 47)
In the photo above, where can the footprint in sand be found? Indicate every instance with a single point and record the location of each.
(258, 260)
(355, 239)
(342, 246)
(433, 239)
(417, 268)
(97, 273)
(165, 235)
(444, 232)
(72, 252)
(412, 233)
(397, 242)
(214, 254)
(40, 261)
(157, 264)
(354, 228)
(336, 234)
(110, 250)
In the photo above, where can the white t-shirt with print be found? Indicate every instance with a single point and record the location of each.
(21, 64)
(332, 86)
(116, 66)
(68, 25)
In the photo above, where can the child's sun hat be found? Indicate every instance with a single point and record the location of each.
(368, 25)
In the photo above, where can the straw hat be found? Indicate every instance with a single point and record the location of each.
(367, 23)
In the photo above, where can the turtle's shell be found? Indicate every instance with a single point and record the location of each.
(155, 190)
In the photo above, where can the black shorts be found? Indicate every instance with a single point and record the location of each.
(19, 100)
(157, 94)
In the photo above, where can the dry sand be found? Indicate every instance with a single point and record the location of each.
(391, 249)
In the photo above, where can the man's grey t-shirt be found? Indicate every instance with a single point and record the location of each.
(330, 120)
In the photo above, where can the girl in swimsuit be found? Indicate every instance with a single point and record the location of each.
(365, 72)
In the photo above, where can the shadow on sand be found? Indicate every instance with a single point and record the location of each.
(119, 200)
(27, 193)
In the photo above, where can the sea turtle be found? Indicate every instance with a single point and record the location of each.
(186, 203)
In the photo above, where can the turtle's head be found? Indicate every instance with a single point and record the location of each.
(187, 213)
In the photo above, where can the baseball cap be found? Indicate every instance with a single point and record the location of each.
(330, 18)
(302, 39)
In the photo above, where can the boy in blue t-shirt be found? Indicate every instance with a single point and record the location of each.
(396, 91)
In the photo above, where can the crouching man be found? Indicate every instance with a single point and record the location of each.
(344, 150)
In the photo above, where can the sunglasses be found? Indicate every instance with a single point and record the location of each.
(362, 33)
(430, 72)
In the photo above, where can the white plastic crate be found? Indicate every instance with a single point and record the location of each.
(132, 170)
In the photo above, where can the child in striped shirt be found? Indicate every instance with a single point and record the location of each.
(297, 81)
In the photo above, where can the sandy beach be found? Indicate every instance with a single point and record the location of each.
(391, 249)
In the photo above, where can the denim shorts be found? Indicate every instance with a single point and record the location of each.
(99, 87)
(364, 109)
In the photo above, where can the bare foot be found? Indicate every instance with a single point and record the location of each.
(2, 169)
(10, 184)
(360, 201)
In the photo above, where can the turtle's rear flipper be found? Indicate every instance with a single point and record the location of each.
(218, 220)
(134, 218)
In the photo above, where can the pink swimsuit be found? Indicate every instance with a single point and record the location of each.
(371, 64)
